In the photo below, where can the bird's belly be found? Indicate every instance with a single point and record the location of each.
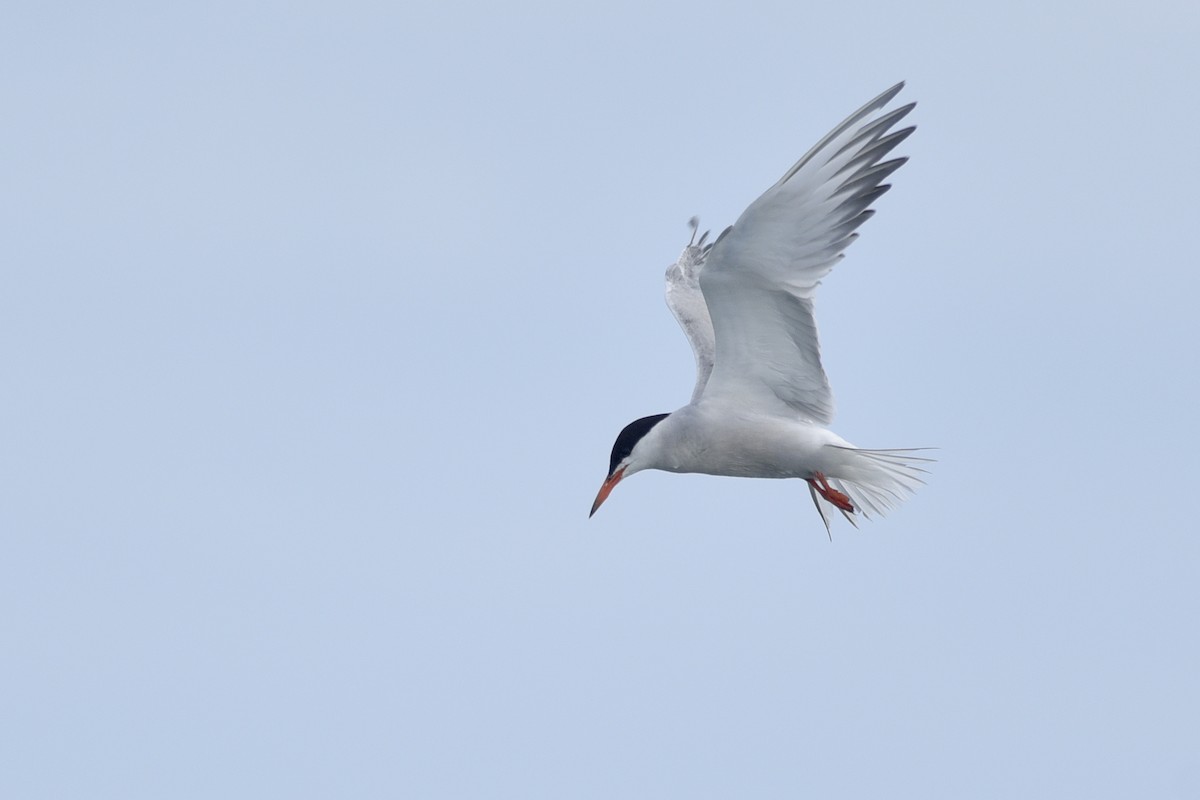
(755, 451)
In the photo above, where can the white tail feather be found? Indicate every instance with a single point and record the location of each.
(876, 481)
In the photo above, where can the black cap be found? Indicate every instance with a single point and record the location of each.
(629, 437)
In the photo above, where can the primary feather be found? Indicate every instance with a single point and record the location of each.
(759, 278)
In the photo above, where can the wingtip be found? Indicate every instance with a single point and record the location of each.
(887, 96)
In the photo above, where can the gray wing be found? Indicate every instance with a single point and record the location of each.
(686, 302)
(760, 276)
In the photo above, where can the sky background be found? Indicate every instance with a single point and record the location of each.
(318, 322)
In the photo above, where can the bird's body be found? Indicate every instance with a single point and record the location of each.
(715, 439)
(761, 401)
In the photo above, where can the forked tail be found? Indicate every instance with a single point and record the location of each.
(868, 482)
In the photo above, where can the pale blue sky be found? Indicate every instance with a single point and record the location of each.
(319, 320)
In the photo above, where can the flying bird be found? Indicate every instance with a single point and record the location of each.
(762, 403)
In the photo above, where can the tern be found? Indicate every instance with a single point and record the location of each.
(761, 401)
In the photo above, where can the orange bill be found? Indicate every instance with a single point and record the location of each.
(606, 489)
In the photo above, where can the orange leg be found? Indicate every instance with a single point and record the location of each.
(839, 499)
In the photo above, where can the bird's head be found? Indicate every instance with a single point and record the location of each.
(628, 456)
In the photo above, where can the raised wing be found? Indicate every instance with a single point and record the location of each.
(760, 276)
(686, 302)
